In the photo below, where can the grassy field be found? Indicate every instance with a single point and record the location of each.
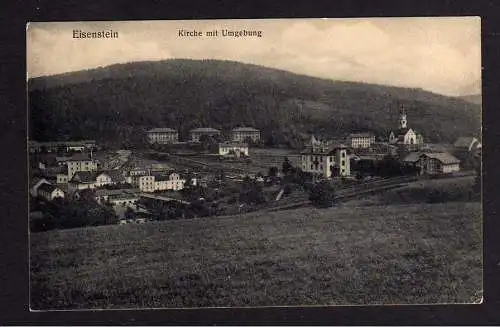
(426, 253)
(457, 189)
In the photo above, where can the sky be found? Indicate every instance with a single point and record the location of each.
(438, 54)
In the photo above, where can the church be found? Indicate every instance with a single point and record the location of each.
(405, 135)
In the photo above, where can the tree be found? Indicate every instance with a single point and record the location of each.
(129, 214)
(287, 166)
(322, 195)
(273, 172)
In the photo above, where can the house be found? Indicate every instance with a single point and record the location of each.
(329, 164)
(80, 162)
(162, 136)
(468, 143)
(236, 149)
(92, 179)
(360, 140)
(49, 192)
(35, 184)
(245, 134)
(412, 159)
(405, 135)
(104, 195)
(132, 176)
(438, 163)
(123, 199)
(152, 183)
(196, 133)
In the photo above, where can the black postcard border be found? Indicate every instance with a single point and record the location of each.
(13, 179)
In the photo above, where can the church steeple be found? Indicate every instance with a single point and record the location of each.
(402, 120)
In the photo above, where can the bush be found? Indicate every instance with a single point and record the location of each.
(322, 195)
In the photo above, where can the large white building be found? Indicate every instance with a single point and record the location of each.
(244, 134)
(162, 136)
(360, 140)
(329, 164)
(80, 163)
(197, 133)
(152, 183)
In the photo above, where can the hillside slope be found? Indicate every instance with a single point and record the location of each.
(118, 103)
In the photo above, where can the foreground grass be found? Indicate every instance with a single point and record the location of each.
(426, 253)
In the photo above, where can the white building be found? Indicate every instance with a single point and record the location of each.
(80, 163)
(329, 164)
(162, 136)
(152, 183)
(236, 149)
(243, 134)
(438, 163)
(196, 133)
(360, 140)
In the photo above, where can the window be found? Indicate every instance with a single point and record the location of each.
(343, 163)
(343, 154)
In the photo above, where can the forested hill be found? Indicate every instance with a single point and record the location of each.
(119, 102)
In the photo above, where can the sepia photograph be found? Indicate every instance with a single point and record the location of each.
(254, 163)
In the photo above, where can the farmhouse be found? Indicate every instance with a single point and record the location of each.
(152, 183)
(360, 140)
(329, 164)
(196, 133)
(104, 195)
(236, 149)
(162, 136)
(404, 135)
(90, 179)
(49, 192)
(245, 134)
(438, 163)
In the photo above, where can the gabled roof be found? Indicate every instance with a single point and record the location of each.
(412, 157)
(48, 188)
(115, 174)
(245, 129)
(38, 180)
(162, 130)
(80, 157)
(105, 192)
(352, 135)
(231, 145)
(205, 130)
(465, 142)
(443, 157)
(84, 176)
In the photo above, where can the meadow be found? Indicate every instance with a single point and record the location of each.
(398, 254)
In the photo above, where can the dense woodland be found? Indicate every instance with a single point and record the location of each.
(117, 104)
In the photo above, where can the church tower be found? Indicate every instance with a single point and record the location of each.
(402, 120)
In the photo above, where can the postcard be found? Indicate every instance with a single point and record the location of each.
(254, 163)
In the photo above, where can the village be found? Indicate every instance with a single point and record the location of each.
(215, 172)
